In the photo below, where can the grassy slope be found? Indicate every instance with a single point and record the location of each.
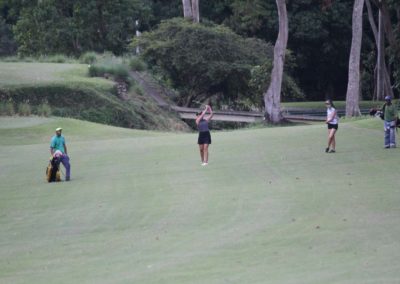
(70, 92)
(270, 208)
(12, 74)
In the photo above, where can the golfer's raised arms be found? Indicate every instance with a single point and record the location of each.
(211, 114)
(201, 115)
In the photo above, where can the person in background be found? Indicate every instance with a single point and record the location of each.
(59, 147)
(332, 120)
(204, 139)
(390, 117)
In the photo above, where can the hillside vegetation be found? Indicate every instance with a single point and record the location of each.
(68, 91)
(271, 207)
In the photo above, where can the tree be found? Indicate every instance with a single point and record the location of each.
(73, 27)
(319, 36)
(272, 97)
(191, 10)
(187, 9)
(7, 43)
(203, 61)
(353, 86)
(382, 78)
(196, 11)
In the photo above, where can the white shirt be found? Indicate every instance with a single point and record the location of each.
(330, 113)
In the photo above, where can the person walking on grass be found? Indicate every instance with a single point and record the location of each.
(57, 145)
(204, 139)
(332, 120)
(390, 117)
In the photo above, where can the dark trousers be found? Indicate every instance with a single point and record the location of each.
(67, 166)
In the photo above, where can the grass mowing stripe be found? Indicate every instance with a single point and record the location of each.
(270, 207)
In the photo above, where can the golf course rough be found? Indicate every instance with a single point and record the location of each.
(271, 207)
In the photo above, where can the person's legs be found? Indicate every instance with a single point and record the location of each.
(67, 166)
(333, 143)
(331, 138)
(393, 137)
(329, 142)
(387, 134)
(201, 148)
(206, 153)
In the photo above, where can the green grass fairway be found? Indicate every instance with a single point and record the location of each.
(17, 74)
(271, 207)
(321, 105)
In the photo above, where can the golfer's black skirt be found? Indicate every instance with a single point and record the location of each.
(333, 126)
(204, 138)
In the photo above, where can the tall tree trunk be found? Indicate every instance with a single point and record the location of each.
(387, 22)
(374, 29)
(187, 9)
(353, 86)
(272, 97)
(191, 10)
(398, 18)
(380, 57)
(383, 86)
(196, 11)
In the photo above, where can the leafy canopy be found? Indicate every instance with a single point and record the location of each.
(203, 60)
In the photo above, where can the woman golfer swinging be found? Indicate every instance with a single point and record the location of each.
(204, 139)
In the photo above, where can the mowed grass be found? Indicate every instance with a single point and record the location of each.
(271, 207)
(338, 104)
(23, 73)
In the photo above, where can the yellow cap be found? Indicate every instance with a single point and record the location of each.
(58, 129)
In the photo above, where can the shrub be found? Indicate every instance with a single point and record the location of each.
(138, 90)
(203, 61)
(89, 57)
(97, 70)
(137, 64)
(24, 109)
(7, 108)
(10, 59)
(43, 110)
(27, 59)
(119, 71)
(56, 58)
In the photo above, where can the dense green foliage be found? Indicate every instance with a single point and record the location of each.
(319, 35)
(72, 27)
(7, 44)
(202, 61)
(208, 61)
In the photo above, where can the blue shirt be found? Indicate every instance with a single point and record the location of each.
(57, 143)
(203, 126)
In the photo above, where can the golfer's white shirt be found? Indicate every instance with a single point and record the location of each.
(331, 112)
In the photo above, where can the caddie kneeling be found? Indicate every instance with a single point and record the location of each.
(57, 145)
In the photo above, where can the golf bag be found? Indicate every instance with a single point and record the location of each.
(53, 170)
(377, 112)
(380, 113)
